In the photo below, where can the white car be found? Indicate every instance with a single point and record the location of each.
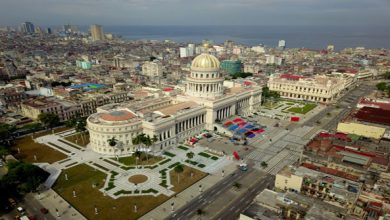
(20, 210)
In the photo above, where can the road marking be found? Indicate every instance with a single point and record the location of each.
(231, 208)
(242, 199)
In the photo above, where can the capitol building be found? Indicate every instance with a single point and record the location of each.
(174, 118)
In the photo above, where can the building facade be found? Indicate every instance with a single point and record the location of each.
(152, 69)
(319, 88)
(97, 33)
(174, 119)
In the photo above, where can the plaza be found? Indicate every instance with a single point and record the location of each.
(84, 173)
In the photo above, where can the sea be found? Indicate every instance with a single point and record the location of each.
(313, 37)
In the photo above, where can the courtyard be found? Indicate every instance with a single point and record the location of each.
(284, 109)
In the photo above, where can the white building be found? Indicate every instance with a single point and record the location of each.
(204, 102)
(152, 68)
(184, 52)
(282, 44)
(318, 88)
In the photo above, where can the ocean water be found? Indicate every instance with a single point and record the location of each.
(314, 37)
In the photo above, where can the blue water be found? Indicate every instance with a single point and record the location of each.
(296, 36)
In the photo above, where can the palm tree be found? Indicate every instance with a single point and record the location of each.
(137, 154)
(147, 141)
(190, 155)
(179, 169)
(81, 128)
(112, 141)
(264, 164)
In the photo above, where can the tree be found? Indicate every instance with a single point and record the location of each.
(81, 127)
(200, 212)
(6, 133)
(49, 119)
(190, 155)
(237, 185)
(381, 86)
(112, 141)
(178, 169)
(387, 75)
(24, 177)
(4, 152)
(241, 75)
(264, 164)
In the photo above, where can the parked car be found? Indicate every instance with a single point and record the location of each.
(21, 210)
(44, 210)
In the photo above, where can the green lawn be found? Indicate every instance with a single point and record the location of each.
(82, 177)
(302, 110)
(143, 160)
(79, 139)
(29, 148)
(185, 179)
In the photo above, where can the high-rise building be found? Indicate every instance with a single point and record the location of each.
(97, 32)
(184, 52)
(282, 44)
(191, 50)
(49, 31)
(27, 27)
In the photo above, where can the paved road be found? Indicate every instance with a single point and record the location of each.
(347, 102)
(209, 195)
(233, 210)
(32, 204)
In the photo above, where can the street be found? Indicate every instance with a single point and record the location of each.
(210, 195)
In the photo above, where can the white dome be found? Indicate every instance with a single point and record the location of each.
(205, 61)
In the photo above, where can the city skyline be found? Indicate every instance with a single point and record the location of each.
(177, 12)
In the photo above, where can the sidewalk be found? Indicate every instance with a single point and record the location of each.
(52, 201)
(164, 210)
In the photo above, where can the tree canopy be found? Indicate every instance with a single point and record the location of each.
(382, 86)
(241, 75)
(23, 177)
(49, 119)
(268, 93)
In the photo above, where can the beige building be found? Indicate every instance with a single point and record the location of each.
(287, 180)
(152, 69)
(176, 118)
(97, 32)
(361, 130)
(65, 110)
(318, 88)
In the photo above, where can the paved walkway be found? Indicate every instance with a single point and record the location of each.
(117, 183)
(284, 149)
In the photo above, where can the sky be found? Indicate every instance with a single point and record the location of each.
(196, 12)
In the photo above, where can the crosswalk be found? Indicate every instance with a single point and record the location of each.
(285, 148)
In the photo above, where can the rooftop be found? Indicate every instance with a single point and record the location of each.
(121, 115)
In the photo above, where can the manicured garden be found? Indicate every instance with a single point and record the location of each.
(302, 110)
(143, 159)
(82, 177)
